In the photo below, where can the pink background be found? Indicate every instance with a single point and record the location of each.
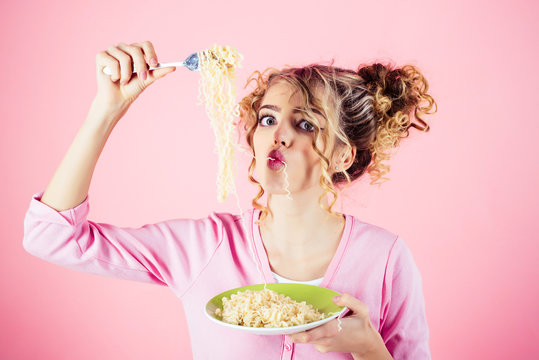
(463, 196)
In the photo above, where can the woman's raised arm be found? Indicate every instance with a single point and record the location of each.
(71, 181)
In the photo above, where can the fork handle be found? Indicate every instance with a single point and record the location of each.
(107, 71)
(344, 312)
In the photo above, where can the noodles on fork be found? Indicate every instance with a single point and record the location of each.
(218, 72)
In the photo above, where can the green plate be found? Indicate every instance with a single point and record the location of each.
(319, 297)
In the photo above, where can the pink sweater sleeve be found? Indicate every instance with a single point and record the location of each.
(171, 252)
(404, 324)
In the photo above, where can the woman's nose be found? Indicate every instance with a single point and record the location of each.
(282, 142)
(282, 136)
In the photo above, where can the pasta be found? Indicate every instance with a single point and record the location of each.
(266, 308)
(217, 69)
(286, 181)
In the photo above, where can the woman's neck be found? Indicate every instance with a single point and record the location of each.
(297, 222)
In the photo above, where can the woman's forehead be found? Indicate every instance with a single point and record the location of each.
(284, 91)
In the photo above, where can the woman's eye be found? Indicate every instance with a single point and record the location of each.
(269, 120)
(307, 126)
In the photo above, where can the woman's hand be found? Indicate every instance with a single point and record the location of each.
(119, 90)
(357, 335)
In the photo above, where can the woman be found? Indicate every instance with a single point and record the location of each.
(311, 130)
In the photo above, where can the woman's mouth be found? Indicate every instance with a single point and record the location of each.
(276, 160)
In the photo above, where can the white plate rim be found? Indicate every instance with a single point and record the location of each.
(276, 330)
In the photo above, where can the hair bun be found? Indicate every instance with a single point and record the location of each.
(388, 83)
(373, 75)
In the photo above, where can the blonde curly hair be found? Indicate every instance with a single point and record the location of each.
(370, 108)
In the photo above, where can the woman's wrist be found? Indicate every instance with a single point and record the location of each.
(379, 354)
(101, 111)
(376, 351)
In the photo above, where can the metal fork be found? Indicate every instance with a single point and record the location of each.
(191, 62)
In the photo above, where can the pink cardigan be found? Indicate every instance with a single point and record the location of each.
(199, 258)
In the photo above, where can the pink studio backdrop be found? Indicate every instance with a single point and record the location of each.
(463, 196)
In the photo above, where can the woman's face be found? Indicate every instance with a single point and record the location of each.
(283, 128)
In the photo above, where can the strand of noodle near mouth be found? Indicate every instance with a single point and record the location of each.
(286, 180)
(217, 85)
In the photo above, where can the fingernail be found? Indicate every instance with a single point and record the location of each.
(143, 75)
(336, 298)
(153, 61)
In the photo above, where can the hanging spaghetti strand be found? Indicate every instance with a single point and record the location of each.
(217, 85)
(252, 243)
(251, 247)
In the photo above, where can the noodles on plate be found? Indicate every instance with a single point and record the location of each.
(266, 308)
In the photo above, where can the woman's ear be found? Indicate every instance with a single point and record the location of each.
(343, 159)
(346, 158)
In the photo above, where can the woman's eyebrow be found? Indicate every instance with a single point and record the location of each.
(278, 109)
